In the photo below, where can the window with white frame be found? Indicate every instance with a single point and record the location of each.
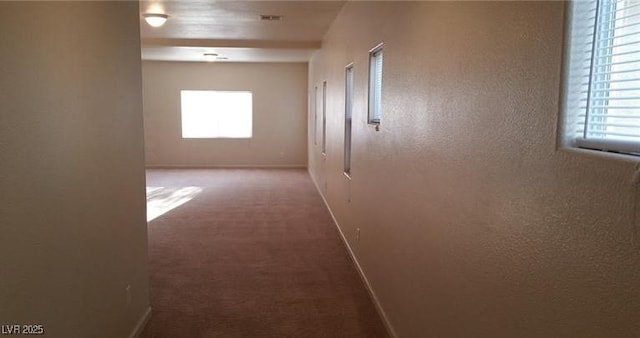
(216, 114)
(324, 117)
(602, 85)
(315, 115)
(375, 84)
(348, 113)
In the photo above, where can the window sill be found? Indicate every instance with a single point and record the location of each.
(595, 153)
(374, 125)
(609, 146)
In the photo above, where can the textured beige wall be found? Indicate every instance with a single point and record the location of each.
(279, 119)
(72, 196)
(473, 223)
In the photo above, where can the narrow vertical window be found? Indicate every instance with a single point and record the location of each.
(375, 84)
(324, 117)
(348, 109)
(315, 115)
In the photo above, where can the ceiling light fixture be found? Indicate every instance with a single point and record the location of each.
(155, 19)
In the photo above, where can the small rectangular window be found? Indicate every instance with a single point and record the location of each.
(602, 85)
(375, 84)
(315, 115)
(324, 117)
(348, 110)
(216, 114)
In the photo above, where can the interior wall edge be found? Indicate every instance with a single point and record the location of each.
(141, 324)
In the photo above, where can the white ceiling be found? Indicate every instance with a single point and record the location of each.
(233, 29)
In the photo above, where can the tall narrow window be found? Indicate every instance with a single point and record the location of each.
(315, 115)
(216, 114)
(375, 84)
(602, 93)
(348, 110)
(324, 117)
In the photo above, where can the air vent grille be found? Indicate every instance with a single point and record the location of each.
(270, 17)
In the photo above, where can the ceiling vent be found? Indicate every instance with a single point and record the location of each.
(270, 17)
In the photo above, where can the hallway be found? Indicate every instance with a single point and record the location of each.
(250, 253)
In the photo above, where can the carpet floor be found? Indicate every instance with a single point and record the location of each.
(250, 253)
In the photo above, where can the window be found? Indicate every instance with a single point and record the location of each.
(348, 109)
(315, 115)
(375, 84)
(602, 87)
(216, 114)
(324, 117)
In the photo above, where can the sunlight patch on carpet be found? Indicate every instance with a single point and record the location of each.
(161, 200)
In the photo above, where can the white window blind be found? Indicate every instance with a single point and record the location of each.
(602, 98)
(375, 84)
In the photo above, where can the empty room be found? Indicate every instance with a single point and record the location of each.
(320, 168)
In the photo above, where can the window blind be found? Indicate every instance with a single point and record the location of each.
(375, 85)
(603, 86)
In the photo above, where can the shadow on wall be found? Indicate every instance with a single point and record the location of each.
(161, 200)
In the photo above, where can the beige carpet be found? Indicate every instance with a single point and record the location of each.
(250, 253)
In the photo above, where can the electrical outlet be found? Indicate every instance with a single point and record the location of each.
(128, 292)
(358, 235)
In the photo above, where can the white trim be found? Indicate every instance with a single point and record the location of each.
(373, 57)
(376, 48)
(213, 166)
(372, 294)
(142, 322)
(593, 154)
(609, 145)
(582, 63)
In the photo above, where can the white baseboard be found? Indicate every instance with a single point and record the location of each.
(244, 166)
(381, 312)
(142, 322)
